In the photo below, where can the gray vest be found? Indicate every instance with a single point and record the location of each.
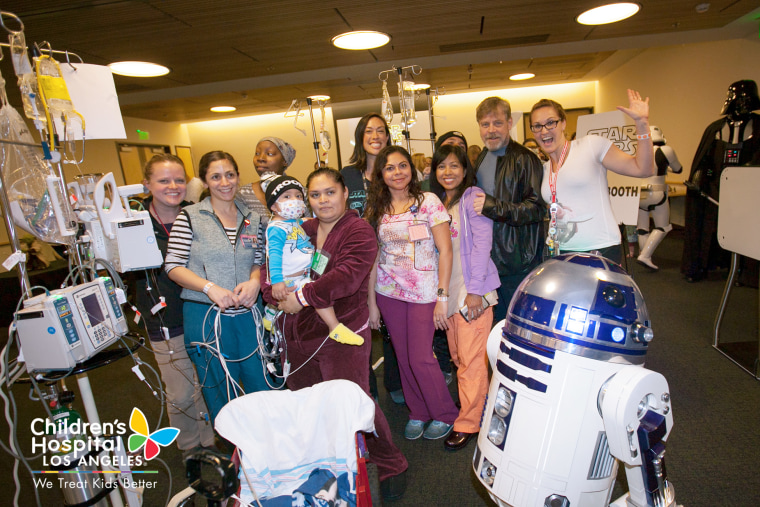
(212, 256)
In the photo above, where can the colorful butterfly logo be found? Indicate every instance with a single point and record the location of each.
(139, 424)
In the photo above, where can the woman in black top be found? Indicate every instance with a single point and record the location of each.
(165, 179)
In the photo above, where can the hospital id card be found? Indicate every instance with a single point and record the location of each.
(248, 240)
(418, 232)
(319, 262)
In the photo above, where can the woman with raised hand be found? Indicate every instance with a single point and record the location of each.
(575, 177)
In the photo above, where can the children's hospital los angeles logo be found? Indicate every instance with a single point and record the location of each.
(151, 441)
(69, 445)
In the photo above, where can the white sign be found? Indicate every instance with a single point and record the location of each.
(624, 190)
(93, 93)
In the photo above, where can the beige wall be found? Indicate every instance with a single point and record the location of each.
(101, 155)
(686, 84)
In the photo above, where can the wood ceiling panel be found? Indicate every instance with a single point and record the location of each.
(211, 43)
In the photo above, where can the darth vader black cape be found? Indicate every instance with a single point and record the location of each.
(701, 250)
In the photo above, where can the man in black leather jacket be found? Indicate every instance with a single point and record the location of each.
(510, 175)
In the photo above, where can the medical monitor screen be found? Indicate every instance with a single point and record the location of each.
(92, 307)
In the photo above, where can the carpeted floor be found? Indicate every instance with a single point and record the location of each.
(712, 454)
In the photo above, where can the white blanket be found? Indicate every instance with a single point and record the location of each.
(283, 435)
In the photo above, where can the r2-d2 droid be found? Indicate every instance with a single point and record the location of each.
(569, 396)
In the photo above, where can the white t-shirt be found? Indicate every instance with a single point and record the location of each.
(582, 191)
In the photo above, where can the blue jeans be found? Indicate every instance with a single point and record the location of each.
(237, 340)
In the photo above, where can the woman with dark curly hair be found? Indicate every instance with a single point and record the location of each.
(410, 286)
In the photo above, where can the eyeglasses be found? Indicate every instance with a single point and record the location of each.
(550, 125)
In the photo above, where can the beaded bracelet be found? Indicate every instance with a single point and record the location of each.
(642, 137)
(301, 299)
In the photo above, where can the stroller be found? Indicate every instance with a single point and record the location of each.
(301, 447)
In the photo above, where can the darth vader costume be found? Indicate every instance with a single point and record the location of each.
(734, 139)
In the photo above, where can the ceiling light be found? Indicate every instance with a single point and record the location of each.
(319, 98)
(362, 39)
(610, 13)
(223, 109)
(522, 77)
(138, 69)
(420, 86)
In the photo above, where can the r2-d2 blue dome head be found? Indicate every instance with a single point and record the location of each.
(584, 305)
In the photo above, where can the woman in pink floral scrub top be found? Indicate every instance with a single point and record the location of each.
(410, 286)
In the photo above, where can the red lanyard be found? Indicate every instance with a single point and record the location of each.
(553, 174)
(155, 214)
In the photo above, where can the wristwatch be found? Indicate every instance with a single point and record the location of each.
(442, 292)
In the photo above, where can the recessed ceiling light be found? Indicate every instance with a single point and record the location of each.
(138, 69)
(223, 109)
(421, 86)
(322, 98)
(361, 39)
(522, 77)
(610, 13)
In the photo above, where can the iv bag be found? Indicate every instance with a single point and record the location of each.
(407, 104)
(27, 81)
(37, 200)
(387, 107)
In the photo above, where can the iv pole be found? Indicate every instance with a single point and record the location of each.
(321, 100)
(83, 382)
(415, 70)
(313, 130)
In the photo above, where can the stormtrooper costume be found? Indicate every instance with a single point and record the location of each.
(654, 200)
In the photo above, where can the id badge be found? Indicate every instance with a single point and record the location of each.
(319, 262)
(418, 232)
(248, 240)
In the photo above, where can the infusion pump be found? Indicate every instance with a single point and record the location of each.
(67, 326)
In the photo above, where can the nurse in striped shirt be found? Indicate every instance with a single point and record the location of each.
(215, 252)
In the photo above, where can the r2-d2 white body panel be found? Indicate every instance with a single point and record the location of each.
(573, 323)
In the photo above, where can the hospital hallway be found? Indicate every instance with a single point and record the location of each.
(712, 454)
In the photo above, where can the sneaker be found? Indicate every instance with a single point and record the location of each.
(436, 430)
(397, 397)
(414, 429)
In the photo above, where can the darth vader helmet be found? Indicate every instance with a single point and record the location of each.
(741, 99)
